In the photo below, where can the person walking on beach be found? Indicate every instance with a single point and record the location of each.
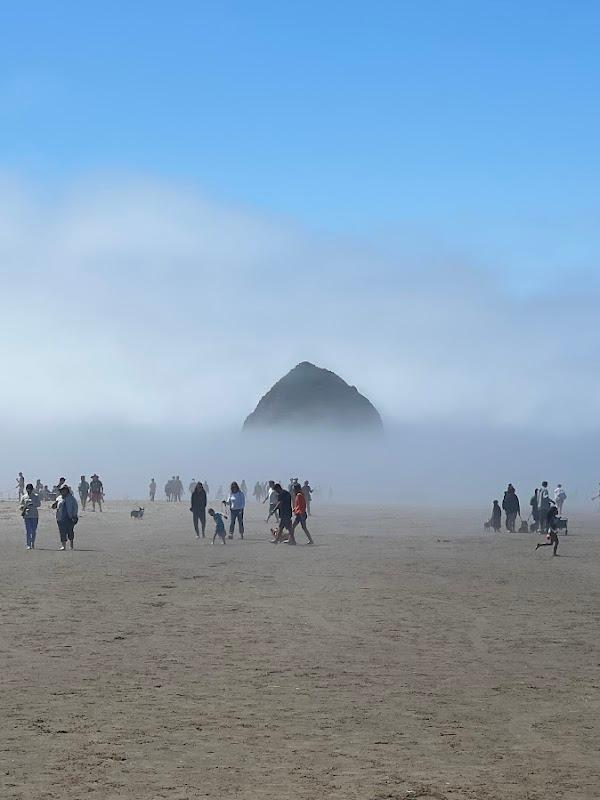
(20, 487)
(152, 490)
(284, 508)
(236, 503)
(84, 490)
(300, 515)
(243, 488)
(219, 525)
(30, 502)
(198, 508)
(511, 506)
(559, 498)
(544, 506)
(307, 491)
(96, 492)
(66, 516)
(273, 499)
(192, 485)
(552, 528)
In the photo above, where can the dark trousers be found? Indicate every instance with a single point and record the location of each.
(66, 530)
(201, 516)
(238, 514)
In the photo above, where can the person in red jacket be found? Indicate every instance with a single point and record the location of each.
(299, 514)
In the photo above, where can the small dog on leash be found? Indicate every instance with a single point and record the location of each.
(487, 525)
(137, 514)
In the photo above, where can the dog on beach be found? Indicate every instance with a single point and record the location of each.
(487, 525)
(137, 514)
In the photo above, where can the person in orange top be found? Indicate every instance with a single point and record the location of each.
(300, 514)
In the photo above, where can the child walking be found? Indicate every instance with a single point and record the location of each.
(219, 524)
(496, 519)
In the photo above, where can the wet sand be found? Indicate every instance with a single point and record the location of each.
(398, 658)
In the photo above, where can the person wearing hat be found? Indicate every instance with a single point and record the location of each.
(96, 492)
(66, 516)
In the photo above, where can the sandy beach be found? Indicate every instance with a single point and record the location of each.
(398, 658)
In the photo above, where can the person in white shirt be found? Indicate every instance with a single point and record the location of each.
(544, 506)
(273, 498)
(236, 503)
(559, 498)
(30, 502)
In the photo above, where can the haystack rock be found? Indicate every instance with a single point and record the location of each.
(311, 397)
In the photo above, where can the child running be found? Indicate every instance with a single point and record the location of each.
(552, 530)
(219, 524)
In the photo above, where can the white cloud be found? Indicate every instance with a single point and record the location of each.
(134, 301)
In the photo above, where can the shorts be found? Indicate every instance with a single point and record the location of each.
(285, 521)
(299, 518)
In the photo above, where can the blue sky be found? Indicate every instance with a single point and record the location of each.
(345, 115)
(426, 172)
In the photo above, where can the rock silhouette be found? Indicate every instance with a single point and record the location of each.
(312, 397)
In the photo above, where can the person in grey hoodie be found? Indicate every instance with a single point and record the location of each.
(66, 516)
(30, 502)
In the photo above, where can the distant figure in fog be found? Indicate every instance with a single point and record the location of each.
(198, 508)
(511, 506)
(244, 488)
(220, 493)
(38, 486)
(535, 510)
(257, 492)
(84, 490)
(496, 518)
(192, 485)
(30, 502)
(236, 503)
(20, 487)
(206, 488)
(152, 490)
(307, 492)
(559, 498)
(96, 492)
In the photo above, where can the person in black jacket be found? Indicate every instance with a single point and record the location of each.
(511, 506)
(198, 508)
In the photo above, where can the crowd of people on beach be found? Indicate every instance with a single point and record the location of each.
(545, 516)
(63, 503)
(290, 507)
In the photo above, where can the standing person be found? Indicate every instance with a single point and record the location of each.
(535, 510)
(66, 516)
(30, 502)
(496, 518)
(178, 488)
(84, 490)
(544, 506)
(152, 490)
(198, 508)
(257, 492)
(559, 498)
(20, 487)
(273, 499)
(38, 486)
(511, 506)
(236, 503)
(284, 508)
(192, 485)
(299, 514)
(96, 492)
(219, 524)
(206, 488)
(307, 492)
(244, 488)
(552, 527)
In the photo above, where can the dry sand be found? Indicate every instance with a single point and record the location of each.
(398, 658)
